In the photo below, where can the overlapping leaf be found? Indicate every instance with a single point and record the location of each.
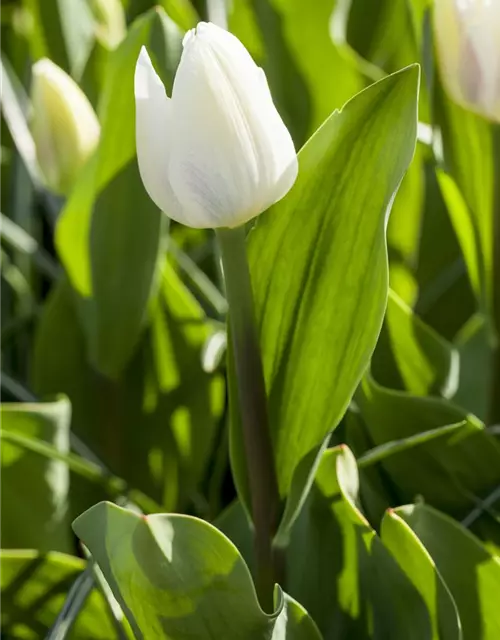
(176, 576)
(319, 269)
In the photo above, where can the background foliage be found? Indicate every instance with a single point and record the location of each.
(114, 378)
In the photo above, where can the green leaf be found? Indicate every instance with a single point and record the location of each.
(393, 447)
(374, 28)
(35, 489)
(471, 573)
(34, 588)
(62, 30)
(453, 472)
(420, 568)
(15, 236)
(388, 34)
(176, 577)
(404, 229)
(474, 347)
(93, 76)
(339, 569)
(181, 12)
(110, 234)
(467, 187)
(15, 119)
(115, 487)
(446, 300)
(155, 425)
(410, 351)
(319, 310)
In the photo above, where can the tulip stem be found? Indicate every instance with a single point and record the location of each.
(261, 473)
(494, 413)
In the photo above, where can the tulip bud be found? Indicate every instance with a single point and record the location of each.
(65, 126)
(110, 18)
(468, 42)
(217, 153)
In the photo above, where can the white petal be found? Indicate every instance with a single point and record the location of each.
(153, 128)
(282, 156)
(483, 30)
(232, 156)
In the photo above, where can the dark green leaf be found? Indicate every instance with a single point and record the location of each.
(410, 350)
(453, 472)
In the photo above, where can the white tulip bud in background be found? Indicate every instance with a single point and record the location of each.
(217, 153)
(64, 125)
(468, 43)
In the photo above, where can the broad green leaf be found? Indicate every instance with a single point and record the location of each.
(62, 30)
(420, 568)
(155, 425)
(34, 588)
(308, 73)
(471, 573)
(453, 472)
(110, 233)
(411, 356)
(318, 262)
(176, 577)
(35, 489)
(339, 569)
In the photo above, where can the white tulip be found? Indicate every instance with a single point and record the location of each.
(468, 41)
(217, 153)
(64, 124)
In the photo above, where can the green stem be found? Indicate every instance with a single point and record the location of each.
(494, 414)
(253, 407)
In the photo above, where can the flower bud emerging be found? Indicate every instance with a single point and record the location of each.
(468, 41)
(217, 153)
(65, 127)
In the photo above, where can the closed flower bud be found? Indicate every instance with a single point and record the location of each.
(64, 124)
(468, 42)
(216, 153)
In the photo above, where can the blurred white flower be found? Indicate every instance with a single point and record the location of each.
(64, 125)
(468, 42)
(110, 20)
(217, 153)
